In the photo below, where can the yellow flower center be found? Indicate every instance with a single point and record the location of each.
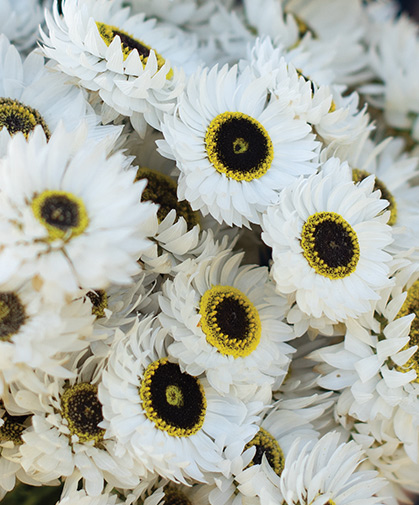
(230, 321)
(81, 408)
(12, 428)
(360, 175)
(267, 445)
(12, 315)
(17, 117)
(99, 300)
(128, 44)
(238, 146)
(162, 189)
(173, 400)
(173, 495)
(330, 245)
(411, 306)
(63, 214)
(303, 27)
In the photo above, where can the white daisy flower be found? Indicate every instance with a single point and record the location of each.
(327, 474)
(31, 94)
(345, 126)
(65, 439)
(256, 471)
(235, 149)
(395, 172)
(277, 432)
(328, 238)
(309, 101)
(19, 21)
(66, 227)
(227, 322)
(36, 335)
(394, 45)
(377, 370)
(121, 57)
(172, 423)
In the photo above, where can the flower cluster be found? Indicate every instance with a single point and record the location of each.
(209, 251)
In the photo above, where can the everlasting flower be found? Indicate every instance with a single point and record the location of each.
(227, 321)
(122, 58)
(236, 150)
(65, 226)
(329, 238)
(327, 473)
(170, 421)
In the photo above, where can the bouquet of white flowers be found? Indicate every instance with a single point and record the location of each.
(209, 251)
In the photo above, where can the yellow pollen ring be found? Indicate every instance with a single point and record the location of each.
(308, 244)
(240, 146)
(69, 400)
(270, 446)
(226, 344)
(4, 310)
(360, 175)
(16, 116)
(55, 232)
(411, 306)
(109, 32)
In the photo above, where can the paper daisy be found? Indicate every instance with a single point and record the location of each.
(256, 473)
(235, 149)
(310, 101)
(327, 474)
(328, 238)
(376, 370)
(122, 57)
(393, 46)
(37, 335)
(395, 172)
(31, 94)
(71, 215)
(227, 321)
(65, 438)
(173, 423)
